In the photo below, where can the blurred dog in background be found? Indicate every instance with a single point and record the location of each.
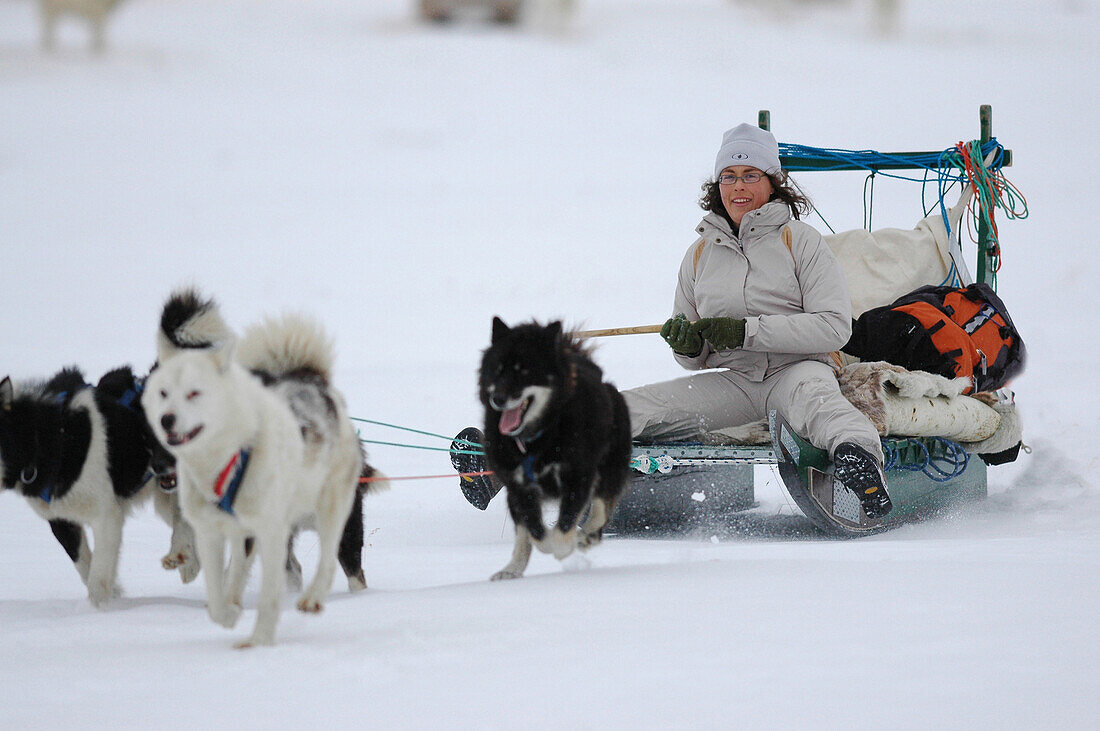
(545, 12)
(95, 12)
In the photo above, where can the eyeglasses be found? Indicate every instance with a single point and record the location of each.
(749, 178)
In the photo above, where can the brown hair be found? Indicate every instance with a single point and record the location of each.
(783, 189)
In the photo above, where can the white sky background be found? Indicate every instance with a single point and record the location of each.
(405, 183)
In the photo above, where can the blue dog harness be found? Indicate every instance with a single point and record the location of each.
(230, 479)
(529, 468)
(127, 400)
(132, 394)
(528, 459)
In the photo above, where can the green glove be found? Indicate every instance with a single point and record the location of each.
(723, 333)
(682, 336)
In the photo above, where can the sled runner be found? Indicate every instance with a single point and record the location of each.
(684, 487)
(678, 487)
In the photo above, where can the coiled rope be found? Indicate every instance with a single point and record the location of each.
(950, 460)
(992, 190)
(967, 163)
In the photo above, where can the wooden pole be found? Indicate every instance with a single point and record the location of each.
(637, 330)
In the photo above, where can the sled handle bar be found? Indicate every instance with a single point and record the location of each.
(636, 330)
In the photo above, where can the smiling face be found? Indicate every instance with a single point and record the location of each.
(740, 197)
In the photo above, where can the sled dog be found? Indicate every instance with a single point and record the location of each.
(501, 11)
(554, 431)
(262, 443)
(94, 11)
(80, 456)
(191, 323)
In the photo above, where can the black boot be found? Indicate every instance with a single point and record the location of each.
(467, 456)
(859, 471)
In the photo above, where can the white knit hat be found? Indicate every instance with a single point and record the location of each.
(749, 146)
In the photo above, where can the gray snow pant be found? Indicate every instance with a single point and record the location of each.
(805, 393)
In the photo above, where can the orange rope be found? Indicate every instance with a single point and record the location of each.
(975, 174)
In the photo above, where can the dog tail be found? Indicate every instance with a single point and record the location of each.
(372, 480)
(189, 321)
(67, 380)
(288, 344)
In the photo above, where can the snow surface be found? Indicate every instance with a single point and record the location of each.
(404, 183)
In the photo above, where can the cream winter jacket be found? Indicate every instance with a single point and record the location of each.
(794, 301)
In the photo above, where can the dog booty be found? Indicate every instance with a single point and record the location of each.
(468, 458)
(859, 471)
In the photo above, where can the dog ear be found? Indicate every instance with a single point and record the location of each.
(554, 330)
(500, 330)
(223, 354)
(165, 347)
(7, 393)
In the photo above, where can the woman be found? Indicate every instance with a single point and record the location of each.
(760, 294)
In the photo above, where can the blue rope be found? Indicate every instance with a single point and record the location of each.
(944, 167)
(936, 163)
(402, 428)
(463, 442)
(954, 457)
(430, 449)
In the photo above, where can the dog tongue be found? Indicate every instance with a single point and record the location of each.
(510, 419)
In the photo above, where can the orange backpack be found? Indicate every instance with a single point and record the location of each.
(952, 331)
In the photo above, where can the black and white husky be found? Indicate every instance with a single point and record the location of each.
(81, 456)
(554, 430)
(263, 444)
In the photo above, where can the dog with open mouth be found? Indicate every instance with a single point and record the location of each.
(554, 431)
(190, 323)
(263, 446)
(80, 455)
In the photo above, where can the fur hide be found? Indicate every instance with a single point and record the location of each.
(916, 404)
(909, 403)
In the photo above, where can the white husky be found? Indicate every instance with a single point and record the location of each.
(262, 443)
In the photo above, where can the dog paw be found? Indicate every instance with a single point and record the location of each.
(357, 582)
(560, 544)
(226, 616)
(575, 563)
(504, 574)
(173, 561)
(253, 642)
(310, 606)
(589, 540)
(99, 594)
(189, 571)
(563, 551)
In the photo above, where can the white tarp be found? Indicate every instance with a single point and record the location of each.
(883, 265)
